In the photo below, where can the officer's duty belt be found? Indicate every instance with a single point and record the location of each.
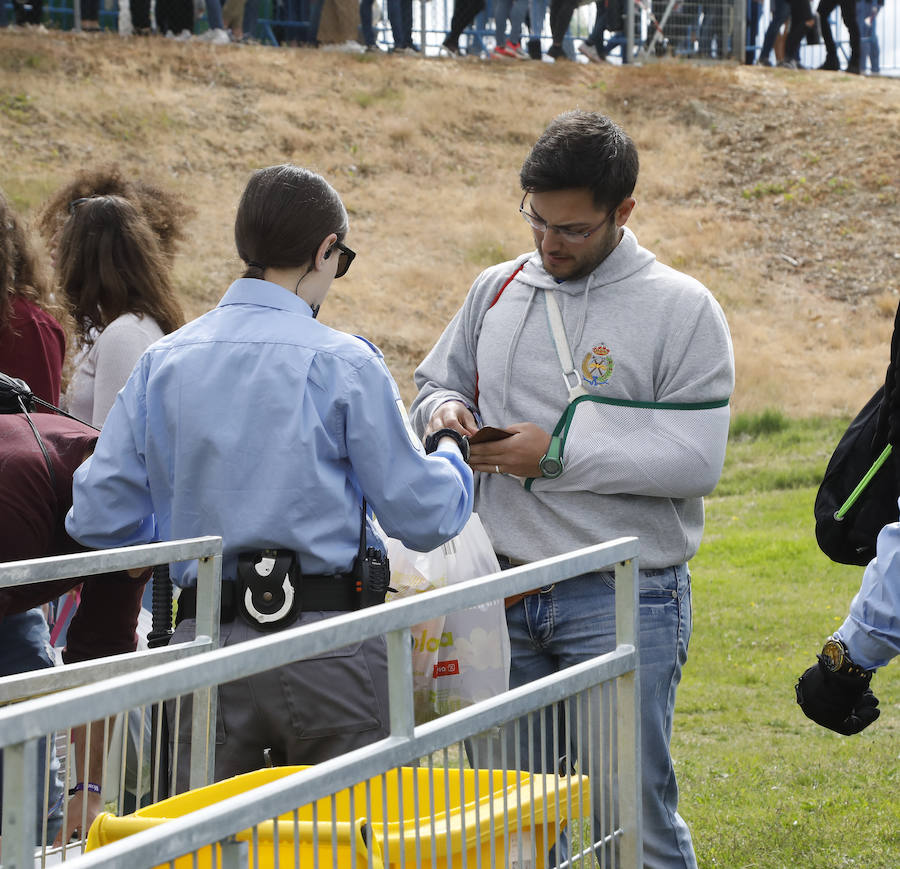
(335, 593)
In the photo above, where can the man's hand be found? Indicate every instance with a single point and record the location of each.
(519, 455)
(76, 824)
(455, 415)
(838, 701)
(85, 804)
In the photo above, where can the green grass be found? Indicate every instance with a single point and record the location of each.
(761, 786)
(770, 452)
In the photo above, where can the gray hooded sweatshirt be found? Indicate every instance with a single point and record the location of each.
(652, 349)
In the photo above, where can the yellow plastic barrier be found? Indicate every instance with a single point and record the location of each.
(440, 818)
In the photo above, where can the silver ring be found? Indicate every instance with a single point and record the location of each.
(497, 468)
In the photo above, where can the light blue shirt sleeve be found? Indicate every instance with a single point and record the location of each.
(110, 492)
(871, 631)
(409, 500)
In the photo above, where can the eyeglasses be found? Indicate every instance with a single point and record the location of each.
(344, 259)
(569, 235)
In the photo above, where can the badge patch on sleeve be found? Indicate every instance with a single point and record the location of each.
(410, 431)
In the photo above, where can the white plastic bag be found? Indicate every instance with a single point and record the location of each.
(464, 657)
(412, 573)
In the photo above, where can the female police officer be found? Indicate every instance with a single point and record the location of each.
(257, 423)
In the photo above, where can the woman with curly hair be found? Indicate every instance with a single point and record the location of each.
(165, 212)
(116, 279)
(33, 326)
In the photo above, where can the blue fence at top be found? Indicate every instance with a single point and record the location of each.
(431, 21)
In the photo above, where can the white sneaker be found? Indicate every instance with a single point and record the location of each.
(218, 36)
(351, 46)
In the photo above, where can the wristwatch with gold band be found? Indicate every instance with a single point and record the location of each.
(836, 659)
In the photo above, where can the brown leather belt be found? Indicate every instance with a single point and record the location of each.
(512, 600)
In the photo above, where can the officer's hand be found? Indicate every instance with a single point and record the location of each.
(840, 702)
(455, 415)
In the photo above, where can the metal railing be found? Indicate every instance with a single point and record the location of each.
(597, 702)
(20, 761)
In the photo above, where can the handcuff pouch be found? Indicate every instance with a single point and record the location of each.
(268, 588)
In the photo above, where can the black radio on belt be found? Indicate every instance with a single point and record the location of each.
(371, 570)
(372, 573)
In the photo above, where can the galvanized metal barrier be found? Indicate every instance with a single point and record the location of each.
(445, 793)
(19, 819)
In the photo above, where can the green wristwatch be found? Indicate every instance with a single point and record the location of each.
(551, 462)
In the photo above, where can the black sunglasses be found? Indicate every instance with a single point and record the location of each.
(344, 260)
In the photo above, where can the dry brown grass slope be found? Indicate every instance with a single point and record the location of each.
(777, 189)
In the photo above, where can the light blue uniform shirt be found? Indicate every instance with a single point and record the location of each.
(257, 423)
(871, 631)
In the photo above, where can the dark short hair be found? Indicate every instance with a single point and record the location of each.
(584, 150)
(284, 213)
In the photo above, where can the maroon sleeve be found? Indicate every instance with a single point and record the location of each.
(32, 525)
(28, 500)
(32, 348)
(106, 619)
(32, 510)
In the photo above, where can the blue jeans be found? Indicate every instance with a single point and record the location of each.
(25, 646)
(301, 19)
(251, 17)
(514, 11)
(365, 21)
(868, 37)
(475, 44)
(781, 13)
(214, 15)
(754, 12)
(596, 37)
(537, 9)
(574, 621)
(400, 16)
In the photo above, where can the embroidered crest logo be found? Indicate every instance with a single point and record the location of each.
(597, 366)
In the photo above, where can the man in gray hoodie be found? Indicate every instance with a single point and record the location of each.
(613, 372)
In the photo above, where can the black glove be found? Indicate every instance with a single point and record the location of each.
(838, 701)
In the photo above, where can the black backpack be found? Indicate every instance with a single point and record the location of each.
(858, 495)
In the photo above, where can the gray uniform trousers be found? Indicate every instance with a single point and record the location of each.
(306, 712)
